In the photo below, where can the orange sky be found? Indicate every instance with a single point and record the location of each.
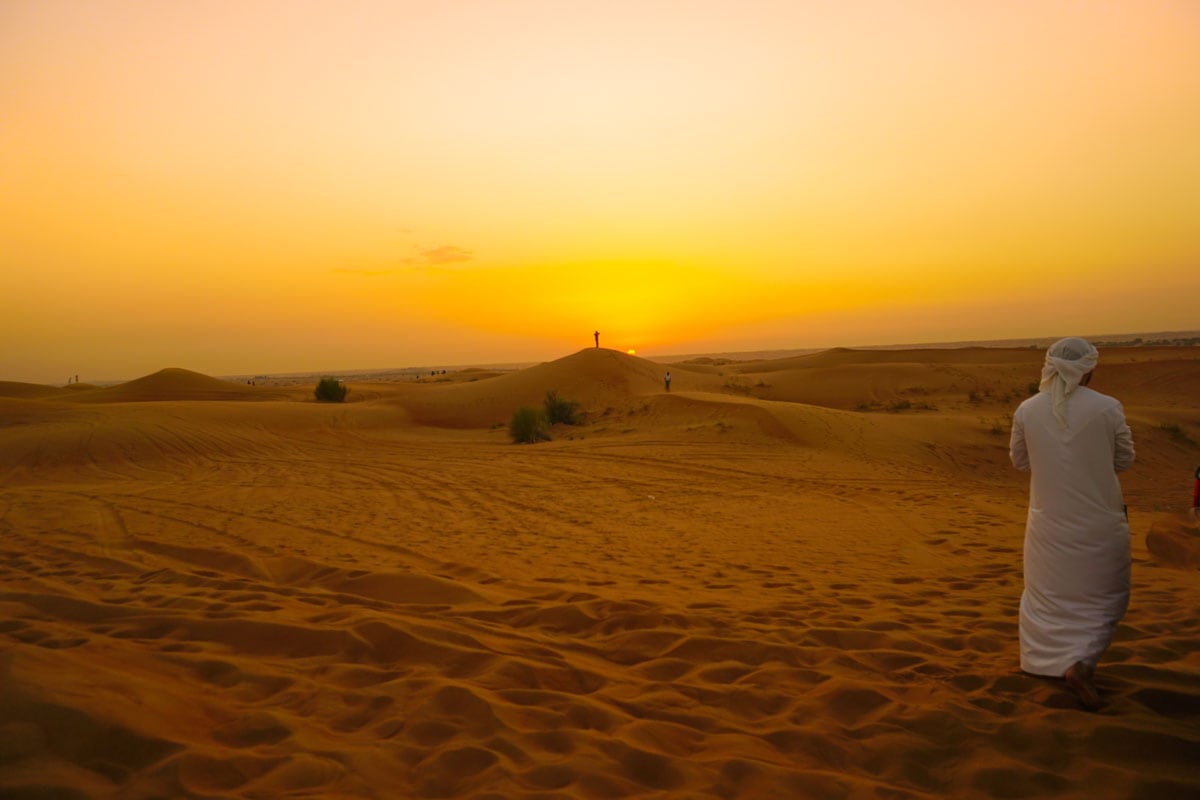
(253, 187)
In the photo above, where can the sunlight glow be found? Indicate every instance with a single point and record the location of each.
(474, 185)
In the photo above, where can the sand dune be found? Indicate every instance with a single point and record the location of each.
(597, 378)
(28, 390)
(1175, 542)
(777, 581)
(170, 384)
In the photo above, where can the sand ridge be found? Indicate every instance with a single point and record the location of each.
(728, 591)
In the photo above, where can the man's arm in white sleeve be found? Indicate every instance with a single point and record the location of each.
(1017, 451)
(1123, 442)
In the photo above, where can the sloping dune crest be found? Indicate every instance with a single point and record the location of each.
(728, 591)
(596, 378)
(844, 356)
(172, 383)
(30, 390)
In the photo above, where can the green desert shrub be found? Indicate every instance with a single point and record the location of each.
(331, 390)
(560, 411)
(528, 425)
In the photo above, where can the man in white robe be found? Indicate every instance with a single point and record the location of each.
(1074, 441)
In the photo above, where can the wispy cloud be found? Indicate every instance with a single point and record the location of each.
(446, 254)
(428, 260)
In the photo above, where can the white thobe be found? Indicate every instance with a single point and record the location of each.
(1076, 533)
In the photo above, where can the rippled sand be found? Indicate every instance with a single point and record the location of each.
(785, 579)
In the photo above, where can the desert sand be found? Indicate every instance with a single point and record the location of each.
(794, 578)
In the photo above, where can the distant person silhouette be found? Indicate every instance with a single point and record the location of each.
(667, 380)
(597, 335)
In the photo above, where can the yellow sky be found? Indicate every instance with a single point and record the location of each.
(251, 187)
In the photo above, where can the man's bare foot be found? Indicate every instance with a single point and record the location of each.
(1079, 678)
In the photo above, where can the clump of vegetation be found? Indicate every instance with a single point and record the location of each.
(1033, 388)
(560, 411)
(331, 390)
(999, 426)
(528, 426)
(1177, 434)
(895, 406)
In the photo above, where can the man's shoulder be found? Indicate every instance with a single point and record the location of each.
(1098, 398)
(1033, 401)
(1101, 404)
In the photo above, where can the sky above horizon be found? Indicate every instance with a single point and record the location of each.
(259, 187)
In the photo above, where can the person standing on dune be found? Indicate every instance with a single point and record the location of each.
(1073, 441)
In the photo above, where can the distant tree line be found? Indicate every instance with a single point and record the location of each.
(1181, 341)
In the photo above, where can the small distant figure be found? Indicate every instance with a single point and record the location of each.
(597, 335)
(667, 380)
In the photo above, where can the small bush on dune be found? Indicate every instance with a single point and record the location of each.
(560, 411)
(331, 390)
(528, 425)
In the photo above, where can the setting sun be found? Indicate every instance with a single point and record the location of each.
(631, 352)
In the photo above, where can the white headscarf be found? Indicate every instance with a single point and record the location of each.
(1067, 361)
